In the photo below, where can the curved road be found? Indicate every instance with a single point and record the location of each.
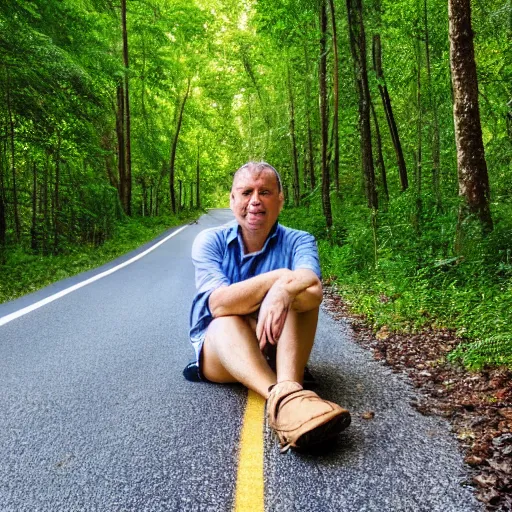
(96, 416)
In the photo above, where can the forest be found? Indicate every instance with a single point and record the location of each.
(389, 120)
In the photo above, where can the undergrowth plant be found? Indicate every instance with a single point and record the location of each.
(417, 282)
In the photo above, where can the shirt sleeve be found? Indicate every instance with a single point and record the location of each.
(207, 256)
(305, 254)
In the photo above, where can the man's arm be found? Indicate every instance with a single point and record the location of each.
(302, 291)
(246, 296)
(302, 288)
(306, 289)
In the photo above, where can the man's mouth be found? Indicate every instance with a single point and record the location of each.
(255, 217)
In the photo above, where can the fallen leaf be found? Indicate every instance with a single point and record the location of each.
(466, 434)
(485, 480)
(506, 413)
(383, 333)
(504, 466)
(473, 460)
(501, 393)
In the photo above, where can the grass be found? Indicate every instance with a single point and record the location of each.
(25, 272)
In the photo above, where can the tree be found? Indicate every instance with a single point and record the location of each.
(198, 197)
(380, 158)
(307, 100)
(471, 164)
(296, 180)
(126, 183)
(436, 165)
(322, 77)
(336, 101)
(386, 101)
(174, 145)
(358, 48)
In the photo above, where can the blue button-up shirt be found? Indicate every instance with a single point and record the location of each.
(219, 260)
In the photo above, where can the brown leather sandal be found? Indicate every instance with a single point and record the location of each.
(301, 419)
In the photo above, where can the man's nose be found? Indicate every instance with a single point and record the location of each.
(255, 198)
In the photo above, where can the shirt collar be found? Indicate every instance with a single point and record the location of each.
(235, 229)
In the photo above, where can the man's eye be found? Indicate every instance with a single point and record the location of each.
(264, 193)
(246, 192)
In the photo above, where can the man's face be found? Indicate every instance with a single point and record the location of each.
(256, 200)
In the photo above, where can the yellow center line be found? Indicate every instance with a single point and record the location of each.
(250, 495)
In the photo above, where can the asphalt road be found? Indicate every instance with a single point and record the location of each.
(96, 416)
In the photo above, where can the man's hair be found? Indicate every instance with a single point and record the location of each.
(258, 167)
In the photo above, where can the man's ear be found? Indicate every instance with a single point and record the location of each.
(281, 200)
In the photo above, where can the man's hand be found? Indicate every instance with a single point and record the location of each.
(272, 315)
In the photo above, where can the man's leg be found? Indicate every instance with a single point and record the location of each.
(295, 344)
(231, 353)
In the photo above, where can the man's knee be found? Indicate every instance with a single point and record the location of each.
(223, 325)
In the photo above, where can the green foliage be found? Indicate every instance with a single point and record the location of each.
(418, 282)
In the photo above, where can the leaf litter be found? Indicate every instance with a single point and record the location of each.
(478, 405)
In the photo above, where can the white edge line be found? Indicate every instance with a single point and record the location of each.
(8, 318)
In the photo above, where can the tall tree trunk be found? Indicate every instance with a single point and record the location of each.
(17, 223)
(56, 201)
(335, 85)
(144, 205)
(3, 223)
(121, 153)
(386, 101)
(322, 77)
(33, 230)
(305, 169)
(249, 111)
(436, 148)
(380, 157)
(143, 86)
(43, 208)
(180, 197)
(173, 149)
(3, 213)
(128, 176)
(311, 159)
(161, 176)
(106, 146)
(419, 130)
(471, 164)
(198, 199)
(296, 182)
(248, 69)
(191, 195)
(358, 49)
(3, 220)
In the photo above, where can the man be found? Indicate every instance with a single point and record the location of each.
(258, 287)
